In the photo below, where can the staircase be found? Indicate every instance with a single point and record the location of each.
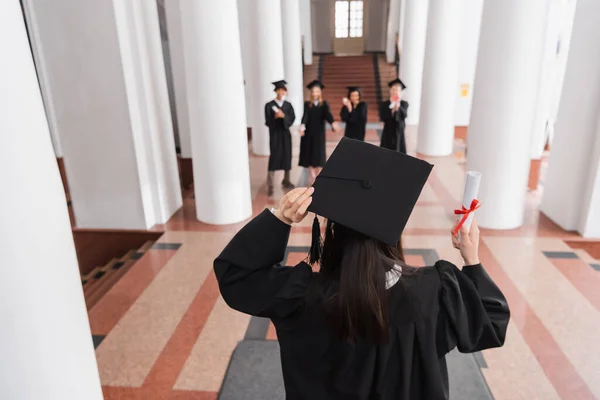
(98, 281)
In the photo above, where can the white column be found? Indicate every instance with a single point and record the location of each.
(392, 29)
(558, 34)
(292, 55)
(572, 183)
(413, 52)
(469, 40)
(440, 77)
(266, 16)
(306, 26)
(173, 16)
(510, 52)
(401, 23)
(108, 86)
(247, 34)
(45, 339)
(219, 142)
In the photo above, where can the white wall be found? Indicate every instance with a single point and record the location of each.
(590, 217)
(306, 27)
(558, 29)
(469, 40)
(321, 24)
(178, 75)
(376, 15)
(108, 87)
(571, 185)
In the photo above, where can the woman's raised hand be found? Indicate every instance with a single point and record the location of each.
(293, 207)
(468, 243)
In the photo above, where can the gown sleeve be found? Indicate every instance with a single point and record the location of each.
(345, 114)
(385, 113)
(327, 113)
(474, 314)
(250, 277)
(357, 116)
(305, 114)
(269, 116)
(402, 110)
(290, 117)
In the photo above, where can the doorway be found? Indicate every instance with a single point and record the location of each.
(348, 27)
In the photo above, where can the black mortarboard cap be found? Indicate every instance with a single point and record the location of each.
(353, 89)
(397, 81)
(280, 84)
(369, 189)
(314, 83)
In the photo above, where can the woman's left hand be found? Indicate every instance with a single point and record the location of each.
(293, 207)
(335, 126)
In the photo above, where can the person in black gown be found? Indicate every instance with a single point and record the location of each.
(393, 113)
(354, 114)
(365, 326)
(279, 116)
(312, 131)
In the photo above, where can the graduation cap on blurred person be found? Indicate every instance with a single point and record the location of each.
(280, 84)
(397, 81)
(353, 89)
(369, 189)
(314, 83)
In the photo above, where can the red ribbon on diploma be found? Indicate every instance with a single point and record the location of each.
(475, 204)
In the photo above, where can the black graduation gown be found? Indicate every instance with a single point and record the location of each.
(312, 144)
(432, 310)
(392, 136)
(356, 121)
(280, 138)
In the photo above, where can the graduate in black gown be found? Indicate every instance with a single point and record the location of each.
(393, 113)
(354, 114)
(279, 116)
(366, 325)
(312, 130)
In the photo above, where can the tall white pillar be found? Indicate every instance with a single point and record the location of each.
(246, 28)
(506, 83)
(392, 29)
(413, 53)
(572, 183)
(440, 78)
(45, 339)
(268, 59)
(176, 52)
(108, 86)
(469, 40)
(401, 24)
(219, 141)
(292, 55)
(306, 26)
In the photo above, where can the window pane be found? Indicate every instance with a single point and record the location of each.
(341, 33)
(341, 19)
(341, 6)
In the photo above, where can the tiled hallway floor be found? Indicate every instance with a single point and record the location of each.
(165, 333)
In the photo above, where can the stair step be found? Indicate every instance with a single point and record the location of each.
(146, 246)
(108, 283)
(98, 275)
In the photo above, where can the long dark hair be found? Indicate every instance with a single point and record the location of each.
(353, 272)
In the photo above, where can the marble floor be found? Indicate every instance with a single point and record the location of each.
(164, 332)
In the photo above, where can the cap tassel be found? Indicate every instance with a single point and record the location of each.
(316, 247)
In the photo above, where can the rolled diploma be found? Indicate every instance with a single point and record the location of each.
(275, 109)
(471, 192)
